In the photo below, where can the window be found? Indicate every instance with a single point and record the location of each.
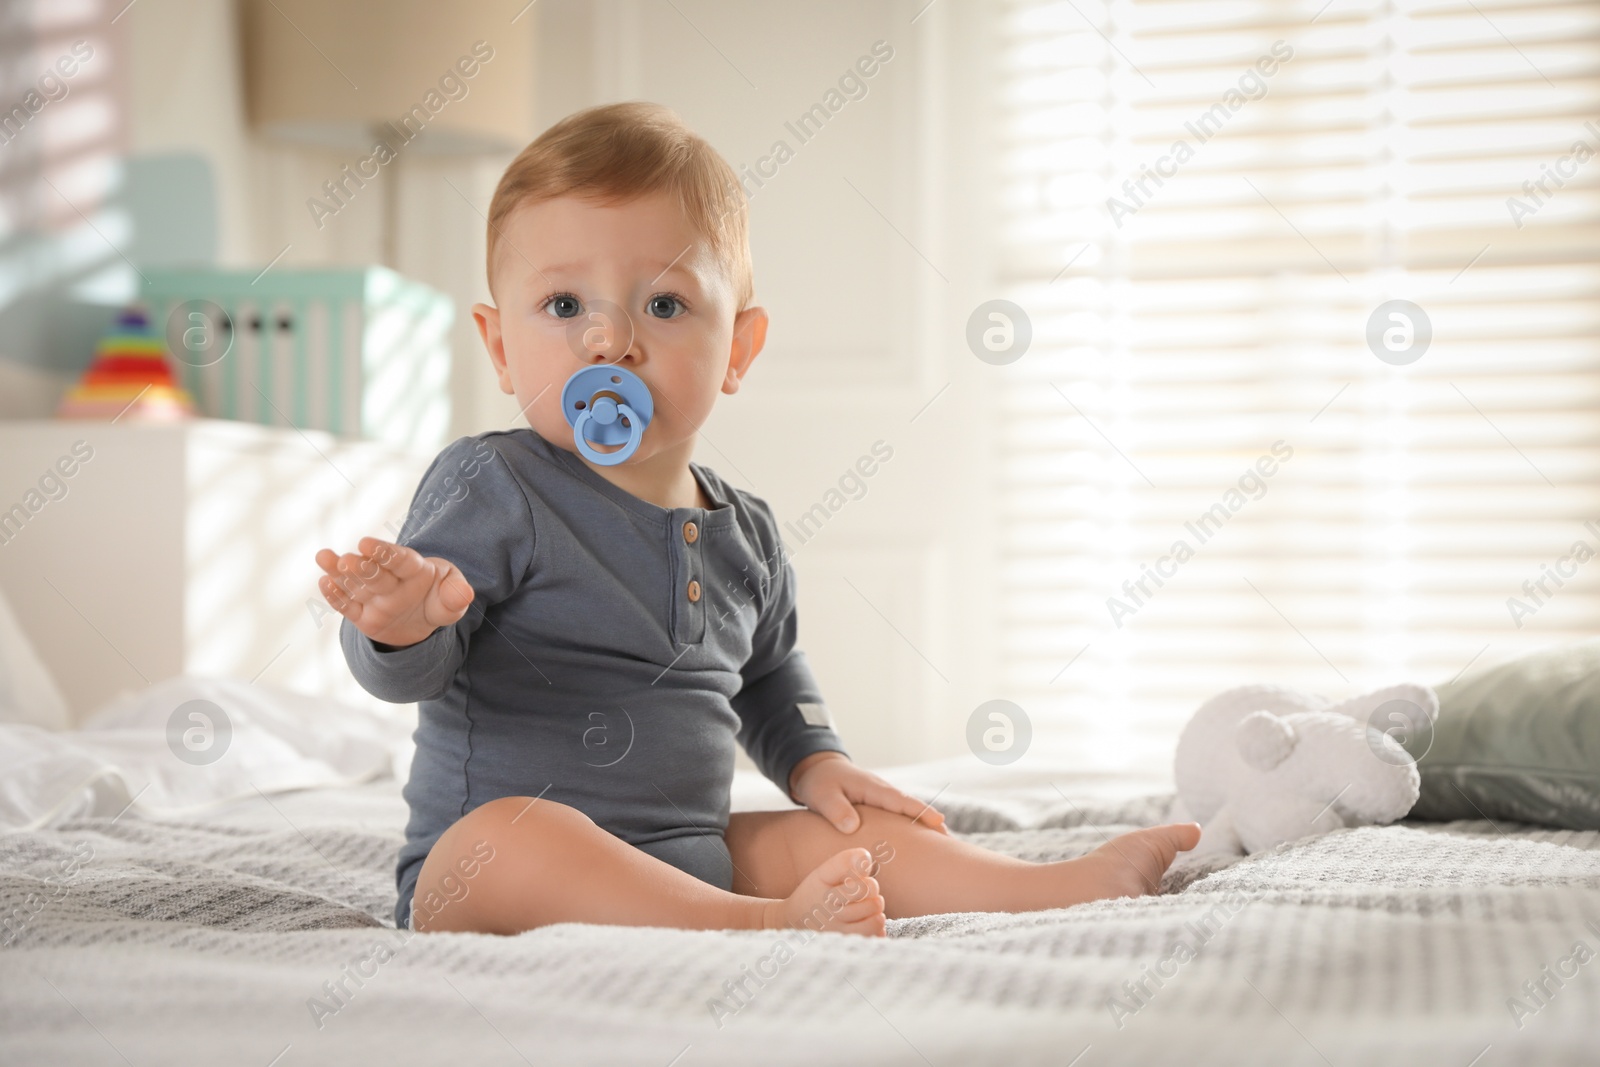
(1210, 477)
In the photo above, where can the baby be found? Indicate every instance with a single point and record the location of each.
(587, 641)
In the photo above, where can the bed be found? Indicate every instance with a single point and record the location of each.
(257, 929)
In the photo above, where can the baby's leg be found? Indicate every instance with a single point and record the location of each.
(924, 872)
(516, 863)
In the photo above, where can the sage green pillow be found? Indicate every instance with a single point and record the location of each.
(1520, 741)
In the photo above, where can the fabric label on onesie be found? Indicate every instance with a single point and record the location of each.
(816, 714)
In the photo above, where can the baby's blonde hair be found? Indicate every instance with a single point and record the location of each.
(614, 153)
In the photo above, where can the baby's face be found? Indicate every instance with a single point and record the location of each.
(642, 269)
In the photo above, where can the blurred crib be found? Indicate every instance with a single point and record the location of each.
(359, 352)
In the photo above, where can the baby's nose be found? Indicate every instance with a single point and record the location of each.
(604, 335)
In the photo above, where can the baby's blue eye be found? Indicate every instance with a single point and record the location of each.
(664, 306)
(565, 307)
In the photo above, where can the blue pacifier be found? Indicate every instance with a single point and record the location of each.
(607, 405)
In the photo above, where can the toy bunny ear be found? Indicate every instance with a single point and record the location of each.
(1263, 739)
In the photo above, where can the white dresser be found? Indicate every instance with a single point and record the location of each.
(133, 552)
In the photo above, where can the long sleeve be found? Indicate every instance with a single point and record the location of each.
(783, 718)
(471, 510)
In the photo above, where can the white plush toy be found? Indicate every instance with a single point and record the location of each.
(1261, 764)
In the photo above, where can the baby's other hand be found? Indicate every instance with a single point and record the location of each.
(392, 593)
(830, 784)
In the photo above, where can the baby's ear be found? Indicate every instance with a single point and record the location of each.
(749, 337)
(488, 319)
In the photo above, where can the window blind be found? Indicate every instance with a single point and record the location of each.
(1203, 205)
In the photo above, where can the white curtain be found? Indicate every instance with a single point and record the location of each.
(1205, 205)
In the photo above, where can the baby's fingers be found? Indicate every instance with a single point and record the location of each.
(376, 560)
(338, 599)
(358, 578)
(341, 578)
(889, 798)
(837, 809)
(399, 560)
(333, 594)
(351, 582)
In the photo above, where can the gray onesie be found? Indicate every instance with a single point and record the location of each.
(614, 652)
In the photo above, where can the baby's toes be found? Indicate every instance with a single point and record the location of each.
(836, 896)
(1187, 835)
(867, 907)
(864, 917)
(872, 926)
(841, 870)
(1172, 839)
(1141, 857)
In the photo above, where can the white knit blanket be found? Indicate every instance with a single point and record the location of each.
(196, 942)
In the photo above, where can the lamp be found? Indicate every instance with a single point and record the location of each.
(383, 79)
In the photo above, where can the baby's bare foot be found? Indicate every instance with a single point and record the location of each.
(838, 897)
(1131, 865)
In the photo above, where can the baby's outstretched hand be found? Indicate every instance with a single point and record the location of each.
(393, 594)
(830, 784)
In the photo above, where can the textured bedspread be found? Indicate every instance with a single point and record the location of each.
(148, 942)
